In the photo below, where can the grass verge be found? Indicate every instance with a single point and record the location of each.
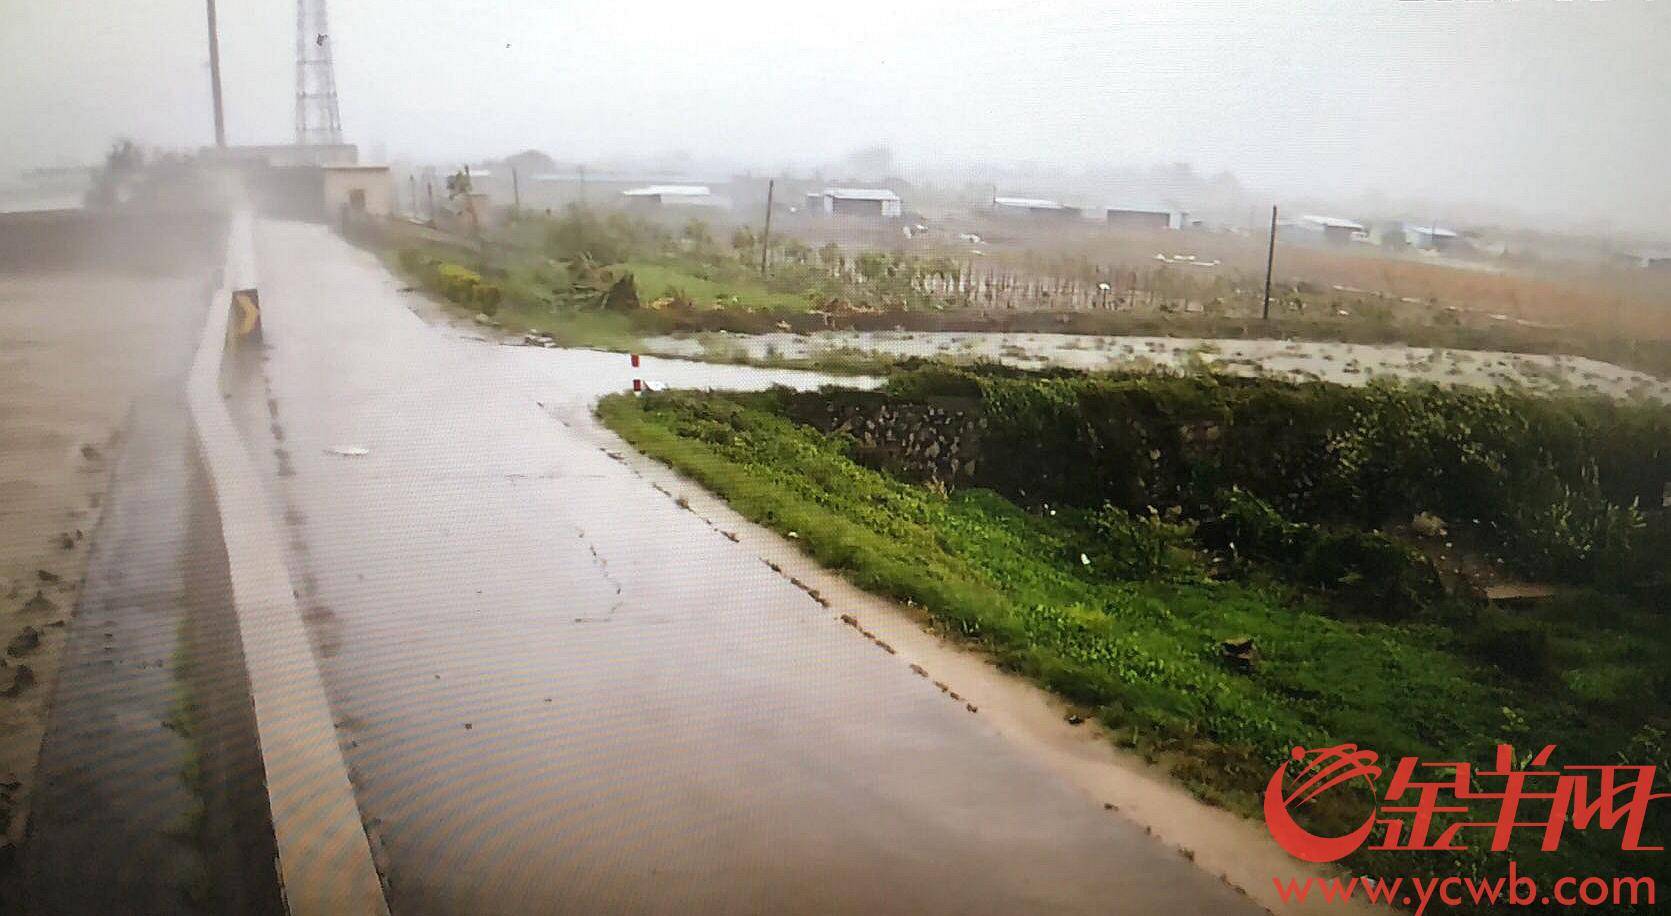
(1146, 653)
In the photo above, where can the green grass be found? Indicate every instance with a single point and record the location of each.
(592, 328)
(527, 306)
(737, 289)
(1145, 654)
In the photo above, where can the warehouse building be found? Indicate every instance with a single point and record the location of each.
(874, 203)
(1145, 218)
(1033, 207)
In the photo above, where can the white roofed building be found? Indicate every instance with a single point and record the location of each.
(1033, 207)
(1144, 217)
(1332, 229)
(1428, 235)
(673, 195)
(877, 203)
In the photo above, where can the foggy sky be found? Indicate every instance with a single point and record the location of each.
(1551, 107)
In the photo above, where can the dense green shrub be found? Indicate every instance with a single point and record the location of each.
(486, 297)
(1567, 488)
(1373, 572)
(1367, 569)
(414, 261)
(602, 238)
(457, 282)
(1519, 647)
(1248, 525)
(1129, 546)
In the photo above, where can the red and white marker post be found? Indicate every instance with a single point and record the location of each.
(637, 383)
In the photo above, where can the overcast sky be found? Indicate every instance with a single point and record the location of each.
(1558, 107)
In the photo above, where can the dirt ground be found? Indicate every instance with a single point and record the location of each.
(75, 350)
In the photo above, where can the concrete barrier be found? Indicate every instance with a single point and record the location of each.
(325, 864)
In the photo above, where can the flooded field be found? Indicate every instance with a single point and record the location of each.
(1344, 363)
(76, 351)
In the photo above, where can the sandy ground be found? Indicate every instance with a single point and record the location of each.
(1349, 364)
(74, 352)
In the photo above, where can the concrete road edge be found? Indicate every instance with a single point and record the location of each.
(325, 863)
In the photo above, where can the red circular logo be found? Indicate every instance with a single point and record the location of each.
(1328, 767)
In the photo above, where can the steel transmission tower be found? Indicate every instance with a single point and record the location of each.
(317, 119)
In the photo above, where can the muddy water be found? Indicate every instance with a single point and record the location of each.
(1349, 364)
(560, 691)
(83, 356)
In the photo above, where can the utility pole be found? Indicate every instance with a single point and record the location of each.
(470, 206)
(1270, 259)
(214, 77)
(516, 193)
(766, 233)
(429, 185)
(412, 184)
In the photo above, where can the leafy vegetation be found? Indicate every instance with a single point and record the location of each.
(1126, 611)
(552, 270)
(458, 283)
(1568, 489)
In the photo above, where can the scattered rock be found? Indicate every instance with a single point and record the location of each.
(40, 604)
(1074, 718)
(850, 620)
(731, 535)
(66, 541)
(919, 671)
(886, 648)
(1240, 652)
(26, 641)
(1428, 525)
(971, 707)
(48, 577)
(468, 726)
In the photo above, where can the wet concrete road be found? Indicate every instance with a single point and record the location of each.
(559, 692)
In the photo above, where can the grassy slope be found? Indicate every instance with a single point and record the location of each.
(1144, 654)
